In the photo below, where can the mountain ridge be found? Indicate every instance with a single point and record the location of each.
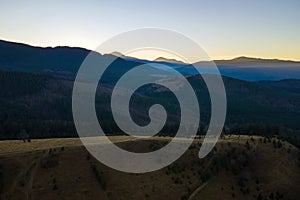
(65, 61)
(158, 59)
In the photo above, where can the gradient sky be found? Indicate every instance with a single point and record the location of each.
(224, 28)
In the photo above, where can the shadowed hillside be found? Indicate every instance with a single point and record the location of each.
(41, 105)
(239, 167)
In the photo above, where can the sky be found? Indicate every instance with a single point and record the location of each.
(225, 29)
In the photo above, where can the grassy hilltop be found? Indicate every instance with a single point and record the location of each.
(239, 167)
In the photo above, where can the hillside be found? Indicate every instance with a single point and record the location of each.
(291, 85)
(41, 105)
(240, 167)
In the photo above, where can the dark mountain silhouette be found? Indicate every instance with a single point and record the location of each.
(65, 61)
(57, 61)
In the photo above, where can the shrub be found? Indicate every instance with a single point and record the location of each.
(257, 181)
(1, 183)
(88, 156)
(241, 182)
(259, 197)
(50, 161)
(99, 177)
(271, 196)
(54, 186)
(279, 144)
(184, 197)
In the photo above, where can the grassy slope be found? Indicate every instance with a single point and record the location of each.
(36, 173)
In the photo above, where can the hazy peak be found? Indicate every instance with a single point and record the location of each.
(163, 59)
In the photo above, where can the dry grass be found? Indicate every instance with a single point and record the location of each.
(31, 171)
(18, 146)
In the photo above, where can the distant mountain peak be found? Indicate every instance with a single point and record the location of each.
(244, 61)
(118, 54)
(253, 59)
(245, 58)
(170, 60)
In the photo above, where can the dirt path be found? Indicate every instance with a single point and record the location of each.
(32, 173)
(197, 190)
(27, 175)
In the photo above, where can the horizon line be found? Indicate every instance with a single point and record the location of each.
(111, 53)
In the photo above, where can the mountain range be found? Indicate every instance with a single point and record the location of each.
(65, 61)
(36, 88)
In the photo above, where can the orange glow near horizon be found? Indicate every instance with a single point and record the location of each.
(224, 29)
(292, 54)
(151, 54)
